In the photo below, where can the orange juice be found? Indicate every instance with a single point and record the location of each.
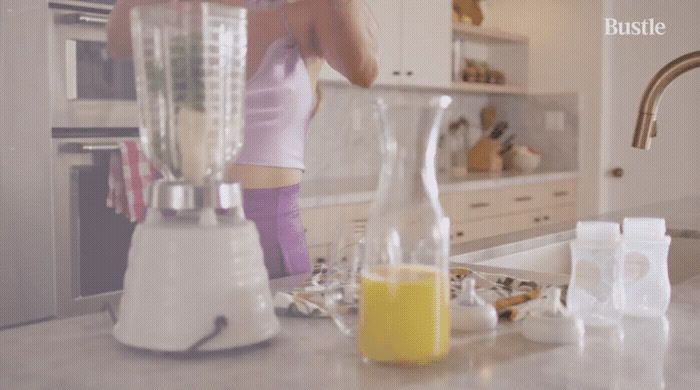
(404, 314)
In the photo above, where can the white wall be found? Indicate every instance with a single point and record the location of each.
(672, 168)
(26, 242)
(565, 56)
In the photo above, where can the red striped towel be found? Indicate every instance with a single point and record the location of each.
(130, 174)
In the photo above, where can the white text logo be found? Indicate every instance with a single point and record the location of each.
(642, 27)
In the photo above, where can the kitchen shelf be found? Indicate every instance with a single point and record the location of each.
(505, 89)
(458, 87)
(486, 34)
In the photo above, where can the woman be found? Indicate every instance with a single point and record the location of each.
(288, 43)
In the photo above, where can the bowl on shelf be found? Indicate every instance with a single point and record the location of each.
(521, 158)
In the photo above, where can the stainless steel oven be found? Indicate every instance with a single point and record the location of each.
(93, 109)
(88, 88)
(91, 241)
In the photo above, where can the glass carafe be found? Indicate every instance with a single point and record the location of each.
(404, 294)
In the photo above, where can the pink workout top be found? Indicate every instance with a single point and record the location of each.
(279, 105)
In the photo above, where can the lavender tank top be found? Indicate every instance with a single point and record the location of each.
(279, 105)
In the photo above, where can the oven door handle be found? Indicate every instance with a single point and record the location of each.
(77, 147)
(81, 18)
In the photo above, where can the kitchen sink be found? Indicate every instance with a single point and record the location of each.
(547, 258)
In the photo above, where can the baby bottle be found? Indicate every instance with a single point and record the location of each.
(596, 289)
(647, 286)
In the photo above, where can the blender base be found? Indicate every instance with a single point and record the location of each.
(182, 276)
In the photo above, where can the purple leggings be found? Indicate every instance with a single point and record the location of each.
(275, 212)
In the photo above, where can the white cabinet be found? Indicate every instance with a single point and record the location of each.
(26, 252)
(322, 225)
(473, 214)
(486, 213)
(426, 42)
(414, 43)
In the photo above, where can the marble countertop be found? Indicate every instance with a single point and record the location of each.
(80, 353)
(359, 190)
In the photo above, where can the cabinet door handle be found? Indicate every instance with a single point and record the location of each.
(396, 73)
(460, 234)
(409, 73)
(479, 205)
(545, 218)
(537, 219)
(617, 172)
(559, 194)
(523, 198)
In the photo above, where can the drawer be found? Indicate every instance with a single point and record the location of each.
(559, 214)
(466, 206)
(558, 193)
(319, 254)
(322, 224)
(479, 205)
(459, 233)
(474, 230)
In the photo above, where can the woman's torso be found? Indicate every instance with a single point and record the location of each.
(280, 99)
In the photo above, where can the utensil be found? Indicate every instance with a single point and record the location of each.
(488, 117)
(498, 130)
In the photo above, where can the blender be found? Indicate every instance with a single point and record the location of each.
(196, 278)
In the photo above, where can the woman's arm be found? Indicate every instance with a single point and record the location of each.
(345, 36)
(119, 27)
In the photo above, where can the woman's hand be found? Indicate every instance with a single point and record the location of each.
(345, 35)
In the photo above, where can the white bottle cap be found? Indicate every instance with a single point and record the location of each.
(597, 231)
(644, 229)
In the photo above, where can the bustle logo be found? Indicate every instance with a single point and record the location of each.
(642, 27)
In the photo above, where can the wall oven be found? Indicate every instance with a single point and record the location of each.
(91, 241)
(88, 88)
(93, 109)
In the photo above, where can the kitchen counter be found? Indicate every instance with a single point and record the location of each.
(361, 190)
(80, 353)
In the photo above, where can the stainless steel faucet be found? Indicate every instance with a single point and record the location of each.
(646, 121)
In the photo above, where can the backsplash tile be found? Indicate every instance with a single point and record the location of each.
(343, 141)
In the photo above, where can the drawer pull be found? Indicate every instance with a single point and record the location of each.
(559, 194)
(460, 234)
(545, 218)
(480, 205)
(537, 219)
(523, 198)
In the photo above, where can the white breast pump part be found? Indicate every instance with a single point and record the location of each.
(196, 278)
(647, 286)
(596, 290)
(469, 311)
(552, 323)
